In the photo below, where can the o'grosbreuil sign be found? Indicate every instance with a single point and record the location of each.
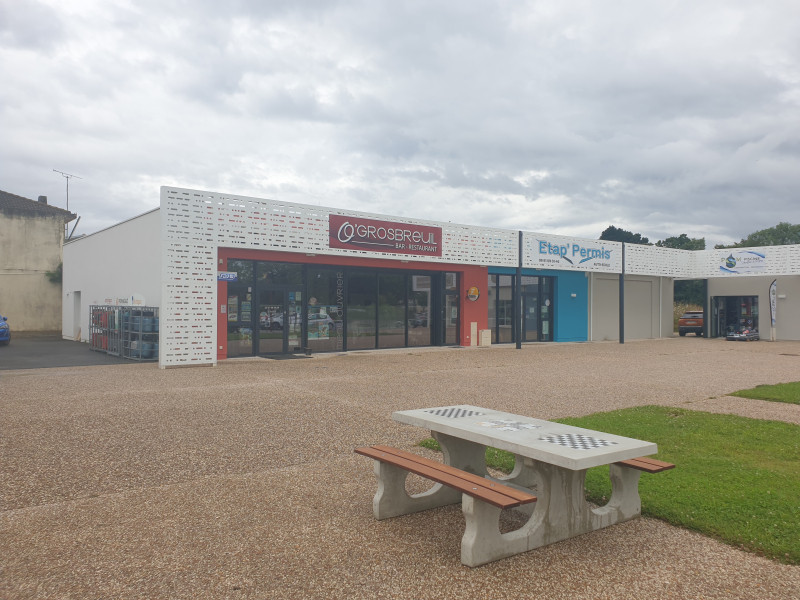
(353, 233)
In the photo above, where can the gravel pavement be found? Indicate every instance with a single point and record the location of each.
(240, 481)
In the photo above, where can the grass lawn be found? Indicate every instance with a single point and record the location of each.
(737, 479)
(783, 392)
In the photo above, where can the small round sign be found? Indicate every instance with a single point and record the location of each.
(473, 293)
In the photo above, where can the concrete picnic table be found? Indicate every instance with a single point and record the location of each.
(551, 459)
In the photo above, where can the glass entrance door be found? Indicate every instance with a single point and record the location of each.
(530, 317)
(271, 319)
(293, 326)
(451, 309)
(537, 309)
(546, 309)
(280, 323)
(717, 305)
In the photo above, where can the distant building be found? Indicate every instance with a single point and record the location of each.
(31, 241)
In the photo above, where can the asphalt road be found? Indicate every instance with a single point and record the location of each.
(45, 351)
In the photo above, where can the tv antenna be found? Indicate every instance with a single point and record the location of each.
(67, 176)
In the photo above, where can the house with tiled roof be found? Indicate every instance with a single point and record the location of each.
(31, 241)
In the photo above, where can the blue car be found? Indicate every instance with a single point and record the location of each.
(5, 331)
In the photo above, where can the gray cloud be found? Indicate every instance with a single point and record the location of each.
(551, 116)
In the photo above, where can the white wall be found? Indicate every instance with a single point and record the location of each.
(110, 267)
(648, 307)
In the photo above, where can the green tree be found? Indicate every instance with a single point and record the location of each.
(780, 235)
(683, 242)
(688, 291)
(615, 234)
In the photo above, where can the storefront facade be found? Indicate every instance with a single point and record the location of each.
(279, 303)
(763, 303)
(554, 305)
(236, 276)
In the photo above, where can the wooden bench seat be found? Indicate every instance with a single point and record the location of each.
(643, 463)
(491, 492)
(483, 500)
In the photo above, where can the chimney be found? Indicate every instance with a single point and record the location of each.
(43, 199)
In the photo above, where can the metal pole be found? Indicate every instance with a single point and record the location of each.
(518, 298)
(622, 299)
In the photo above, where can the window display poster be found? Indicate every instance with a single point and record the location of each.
(233, 308)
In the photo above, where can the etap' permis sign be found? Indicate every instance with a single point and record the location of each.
(354, 233)
(560, 252)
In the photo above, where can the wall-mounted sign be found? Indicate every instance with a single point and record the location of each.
(743, 261)
(574, 254)
(354, 233)
(132, 300)
(227, 276)
(473, 293)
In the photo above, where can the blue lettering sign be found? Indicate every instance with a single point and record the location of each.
(577, 252)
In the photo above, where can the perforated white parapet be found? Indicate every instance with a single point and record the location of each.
(746, 262)
(196, 223)
(656, 261)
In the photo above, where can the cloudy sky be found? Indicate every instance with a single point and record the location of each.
(560, 116)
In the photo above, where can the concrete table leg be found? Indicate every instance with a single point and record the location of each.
(462, 454)
(392, 499)
(561, 512)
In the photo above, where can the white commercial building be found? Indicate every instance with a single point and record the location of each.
(221, 275)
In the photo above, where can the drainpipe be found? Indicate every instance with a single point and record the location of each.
(518, 294)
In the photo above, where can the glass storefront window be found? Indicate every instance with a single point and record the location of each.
(501, 308)
(391, 311)
(275, 273)
(361, 310)
(452, 306)
(238, 308)
(530, 309)
(325, 309)
(272, 317)
(537, 308)
(419, 309)
(276, 307)
(546, 307)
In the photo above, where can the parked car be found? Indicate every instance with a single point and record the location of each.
(275, 321)
(420, 320)
(691, 322)
(5, 331)
(318, 319)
